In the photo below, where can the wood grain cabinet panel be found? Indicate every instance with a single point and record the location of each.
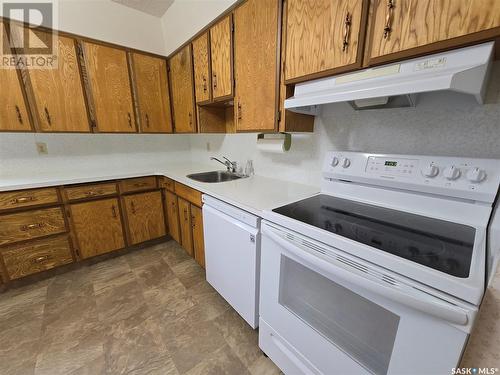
(90, 191)
(201, 63)
(221, 53)
(138, 184)
(256, 57)
(183, 103)
(36, 256)
(31, 224)
(402, 28)
(97, 226)
(198, 239)
(187, 193)
(109, 81)
(173, 216)
(151, 81)
(27, 198)
(323, 36)
(145, 216)
(58, 97)
(13, 114)
(185, 225)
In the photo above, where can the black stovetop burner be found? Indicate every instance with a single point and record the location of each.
(438, 244)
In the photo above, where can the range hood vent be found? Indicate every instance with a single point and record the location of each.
(463, 70)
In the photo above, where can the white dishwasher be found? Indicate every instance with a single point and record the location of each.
(232, 256)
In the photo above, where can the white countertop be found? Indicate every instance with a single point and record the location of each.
(253, 194)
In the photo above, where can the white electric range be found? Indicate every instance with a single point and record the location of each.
(384, 271)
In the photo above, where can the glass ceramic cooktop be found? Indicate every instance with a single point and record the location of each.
(438, 244)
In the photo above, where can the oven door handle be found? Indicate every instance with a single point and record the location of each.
(410, 297)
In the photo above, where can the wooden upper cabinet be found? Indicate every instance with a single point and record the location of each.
(145, 216)
(201, 62)
(256, 56)
(13, 114)
(109, 82)
(221, 52)
(151, 80)
(405, 28)
(323, 37)
(181, 80)
(97, 226)
(57, 94)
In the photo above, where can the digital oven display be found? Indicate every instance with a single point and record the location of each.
(389, 163)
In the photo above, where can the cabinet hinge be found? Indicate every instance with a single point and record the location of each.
(232, 25)
(278, 115)
(93, 124)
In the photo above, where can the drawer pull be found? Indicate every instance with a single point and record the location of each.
(132, 206)
(19, 115)
(347, 31)
(388, 18)
(32, 226)
(91, 193)
(23, 200)
(41, 259)
(141, 184)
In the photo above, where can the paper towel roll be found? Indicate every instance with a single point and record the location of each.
(276, 143)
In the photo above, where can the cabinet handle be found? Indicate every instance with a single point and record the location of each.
(185, 214)
(113, 210)
(190, 119)
(41, 259)
(388, 18)
(140, 184)
(239, 110)
(132, 205)
(204, 84)
(32, 226)
(147, 120)
(47, 116)
(19, 115)
(347, 31)
(129, 119)
(215, 80)
(91, 193)
(23, 200)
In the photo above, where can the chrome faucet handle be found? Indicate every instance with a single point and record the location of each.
(232, 165)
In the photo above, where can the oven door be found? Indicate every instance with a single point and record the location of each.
(325, 311)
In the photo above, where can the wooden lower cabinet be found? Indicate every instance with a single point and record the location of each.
(144, 216)
(198, 239)
(36, 256)
(185, 225)
(97, 226)
(172, 210)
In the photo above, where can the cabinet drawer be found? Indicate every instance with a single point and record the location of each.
(167, 183)
(36, 256)
(26, 198)
(138, 184)
(32, 224)
(90, 191)
(189, 194)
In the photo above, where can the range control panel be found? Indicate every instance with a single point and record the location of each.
(469, 178)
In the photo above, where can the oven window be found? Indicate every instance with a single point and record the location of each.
(360, 328)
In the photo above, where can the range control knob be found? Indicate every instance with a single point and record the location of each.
(431, 170)
(335, 161)
(346, 163)
(452, 172)
(476, 174)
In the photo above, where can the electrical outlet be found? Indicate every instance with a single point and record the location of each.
(42, 149)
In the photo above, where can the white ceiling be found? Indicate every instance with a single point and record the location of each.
(156, 8)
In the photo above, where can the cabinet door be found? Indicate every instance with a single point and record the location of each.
(221, 50)
(58, 93)
(256, 59)
(198, 241)
(98, 227)
(173, 216)
(181, 75)
(201, 61)
(109, 81)
(13, 113)
(145, 216)
(152, 93)
(404, 28)
(323, 37)
(185, 224)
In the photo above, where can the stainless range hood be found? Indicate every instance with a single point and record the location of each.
(394, 85)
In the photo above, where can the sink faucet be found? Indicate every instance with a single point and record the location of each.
(230, 165)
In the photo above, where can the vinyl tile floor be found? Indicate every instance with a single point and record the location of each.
(149, 311)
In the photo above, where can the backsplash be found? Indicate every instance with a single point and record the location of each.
(447, 124)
